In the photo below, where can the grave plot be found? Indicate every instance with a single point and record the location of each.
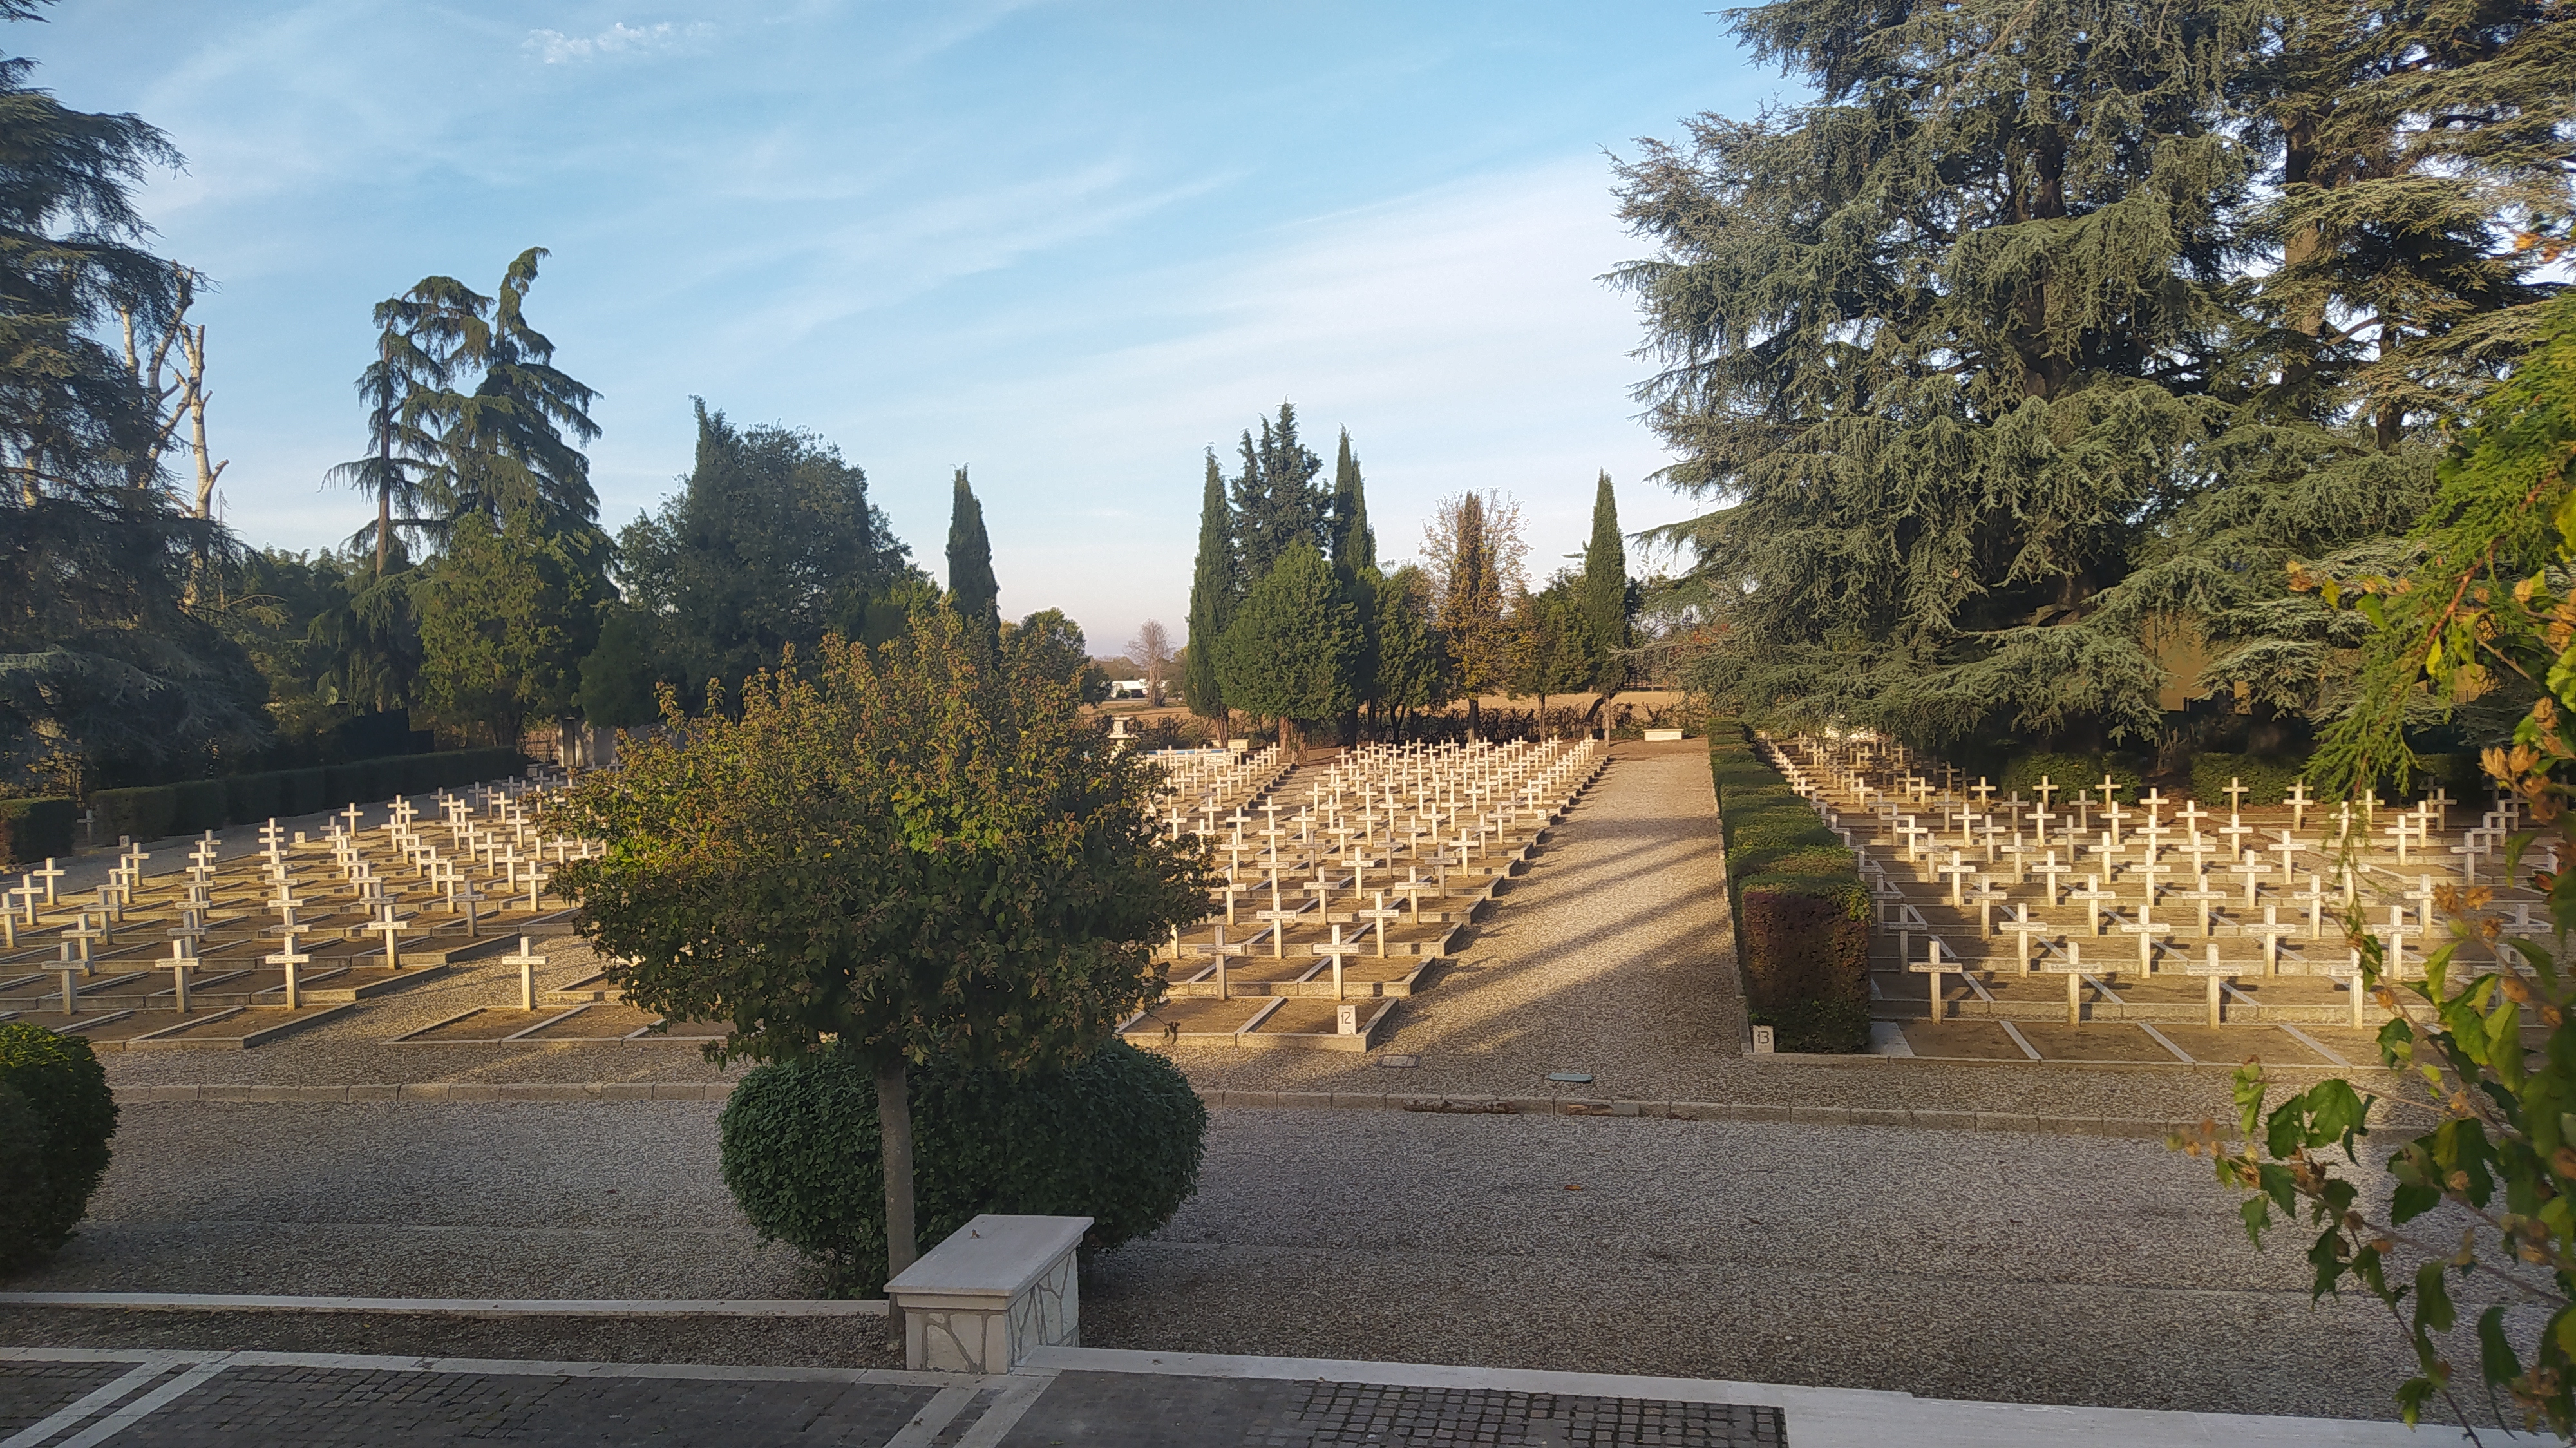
(232, 953)
(2088, 926)
(1343, 885)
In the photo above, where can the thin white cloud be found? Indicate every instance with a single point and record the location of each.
(556, 48)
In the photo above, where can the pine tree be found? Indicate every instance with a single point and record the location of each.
(1473, 548)
(972, 589)
(1354, 542)
(1290, 653)
(1277, 504)
(1214, 586)
(1604, 593)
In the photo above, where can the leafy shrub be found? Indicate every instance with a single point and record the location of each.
(32, 829)
(22, 1186)
(145, 814)
(2267, 778)
(2459, 775)
(65, 1089)
(1117, 1139)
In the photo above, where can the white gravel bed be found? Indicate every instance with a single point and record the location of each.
(600, 1200)
(1940, 1263)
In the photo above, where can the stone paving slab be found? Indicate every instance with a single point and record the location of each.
(1135, 1410)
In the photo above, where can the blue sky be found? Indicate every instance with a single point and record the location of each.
(1068, 245)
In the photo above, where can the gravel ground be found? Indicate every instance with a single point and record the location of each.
(1954, 1264)
(498, 1199)
(1613, 956)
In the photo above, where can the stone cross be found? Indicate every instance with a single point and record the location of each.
(181, 957)
(353, 815)
(2052, 870)
(2191, 815)
(392, 929)
(1338, 950)
(1379, 917)
(49, 875)
(2236, 792)
(2045, 789)
(527, 960)
(2094, 897)
(2146, 930)
(2273, 929)
(2073, 969)
(2202, 897)
(1224, 953)
(1957, 870)
(2110, 790)
(83, 935)
(1934, 966)
(2213, 972)
(2022, 927)
(70, 970)
(287, 960)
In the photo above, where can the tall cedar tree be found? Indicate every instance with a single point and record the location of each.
(899, 853)
(1277, 503)
(1293, 651)
(972, 589)
(1604, 592)
(505, 617)
(1938, 335)
(413, 345)
(106, 667)
(1214, 588)
(1354, 542)
(1963, 344)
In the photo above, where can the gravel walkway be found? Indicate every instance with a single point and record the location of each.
(1946, 1263)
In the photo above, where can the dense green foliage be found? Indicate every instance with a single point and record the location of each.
(1802, 917)
(107, 657)
(505, 618)
(65, 1092)
(1606, 594)
(2024, 357)
(36, 829)
(1354, 542)
(1293, 649)
(769, 544)
(156, 811)
(1214, 586)
(1116, 1137)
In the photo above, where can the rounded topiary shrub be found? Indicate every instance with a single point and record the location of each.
(1117, 1139)
(74, 1114)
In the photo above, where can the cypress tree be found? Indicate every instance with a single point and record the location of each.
(972, 589)
(1604, 592)
(1354, 542)
(1213, 586)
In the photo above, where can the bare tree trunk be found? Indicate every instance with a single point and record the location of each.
(193, 341)
(894, 1127)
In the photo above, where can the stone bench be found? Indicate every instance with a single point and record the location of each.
(996, 1290)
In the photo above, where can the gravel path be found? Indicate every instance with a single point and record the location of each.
(1947, 1263)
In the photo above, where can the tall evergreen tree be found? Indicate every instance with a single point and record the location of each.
(972, 589)
(107, 664)
(1277, 504)
(509, 446)
(1964, 344)
(410, 361)
(1214, 586)
(1354, 542)
(1604, 592)
(1473, 549)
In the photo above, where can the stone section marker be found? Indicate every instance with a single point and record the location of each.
(998, 1289)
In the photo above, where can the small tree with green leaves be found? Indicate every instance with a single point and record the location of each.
(505, 619)
(2481, 1228)
(898, 853)
(1292, 652)
(1214, 584)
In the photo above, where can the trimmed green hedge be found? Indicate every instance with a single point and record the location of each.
(2267, 778)
(32, 829)
(1802, 916)
(55, 1103)
(192, 805)
(1117, 1139)
(2072, 774)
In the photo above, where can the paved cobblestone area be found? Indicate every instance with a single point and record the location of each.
(31, 1392)
(217, 1403)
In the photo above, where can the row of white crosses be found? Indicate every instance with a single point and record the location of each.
(1958, 832)
(1421, 809)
